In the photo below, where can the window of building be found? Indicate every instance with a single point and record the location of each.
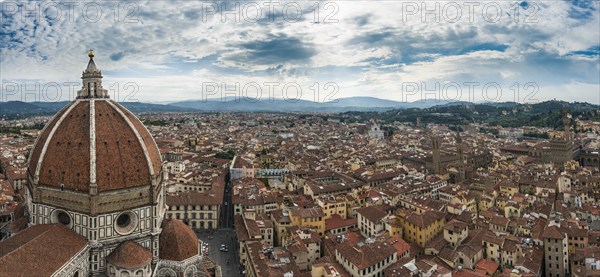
(125, 223)
(63, 218)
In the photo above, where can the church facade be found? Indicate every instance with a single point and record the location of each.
(95, 199)
(375, 132)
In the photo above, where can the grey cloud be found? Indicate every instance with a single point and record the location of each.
(362, 20)
(117, 56)
(274, 50)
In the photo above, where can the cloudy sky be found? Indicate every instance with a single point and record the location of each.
(166, 51)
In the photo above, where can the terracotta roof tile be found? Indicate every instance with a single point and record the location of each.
(552, 232)
(177, 241)
(194, 198)
(336, 221)
(367, 255)
(130, 255)
(372, 213)
(41, 140)
(307, 212)
(67, 159)
(42, 249)
(118, 147)
(153, 152)
(425, 219)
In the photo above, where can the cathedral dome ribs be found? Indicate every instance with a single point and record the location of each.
(94, 145)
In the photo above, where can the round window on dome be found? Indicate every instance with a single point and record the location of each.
(63, 218)
(123, 220)
(125, 223)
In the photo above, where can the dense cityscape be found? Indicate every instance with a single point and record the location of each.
(292, 194)
(290, 138)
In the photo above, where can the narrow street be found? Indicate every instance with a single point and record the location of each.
(227, 260)
(225, 234)
(226, 217)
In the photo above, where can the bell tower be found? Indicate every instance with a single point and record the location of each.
(566, 118)
(462, 158)
(435, 146)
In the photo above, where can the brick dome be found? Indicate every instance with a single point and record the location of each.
(177, 241)
(94, 145)
(130, 255)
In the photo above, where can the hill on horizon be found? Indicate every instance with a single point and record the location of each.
(348, 104)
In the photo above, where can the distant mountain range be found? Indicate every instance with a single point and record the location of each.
(281, 105)
(240, 105)
(506, 114)
(43, 108)
(276, 105)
